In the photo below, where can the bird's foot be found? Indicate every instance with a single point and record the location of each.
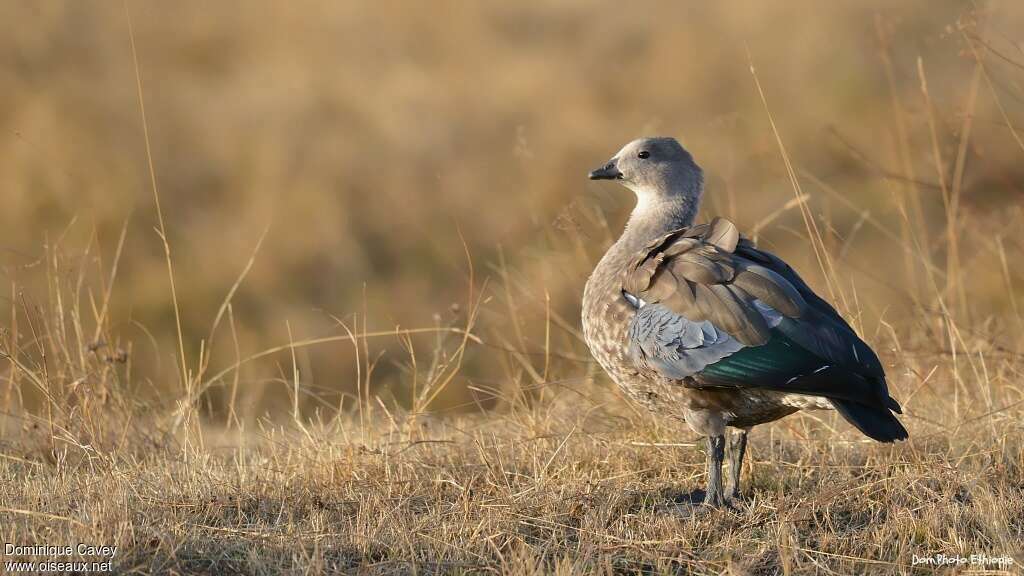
(685, 510)
(694, 505)
(715, 499)
(696, 510)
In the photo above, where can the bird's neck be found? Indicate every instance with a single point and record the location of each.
(655, 216)
(650, 220)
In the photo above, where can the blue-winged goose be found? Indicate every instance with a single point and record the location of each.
(696, 323)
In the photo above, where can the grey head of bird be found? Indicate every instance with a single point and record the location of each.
(656, 170)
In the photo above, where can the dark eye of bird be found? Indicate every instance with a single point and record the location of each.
(643, 155)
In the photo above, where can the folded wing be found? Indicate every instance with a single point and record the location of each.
(714, 311)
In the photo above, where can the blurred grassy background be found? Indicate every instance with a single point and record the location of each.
(368, 139)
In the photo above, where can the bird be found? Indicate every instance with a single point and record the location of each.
(696, 323)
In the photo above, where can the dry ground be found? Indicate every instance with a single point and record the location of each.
(574, 485)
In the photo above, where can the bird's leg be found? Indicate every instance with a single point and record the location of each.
(716, 453)
(735, 449)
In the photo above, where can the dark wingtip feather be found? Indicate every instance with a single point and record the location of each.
(877, 424)
(893, 405)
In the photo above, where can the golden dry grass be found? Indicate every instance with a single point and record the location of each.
(574, 486)
(378, 229)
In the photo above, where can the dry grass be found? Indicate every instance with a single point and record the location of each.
(577, 486)
(319, 189)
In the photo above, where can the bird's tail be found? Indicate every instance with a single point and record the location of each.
(877, 423)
